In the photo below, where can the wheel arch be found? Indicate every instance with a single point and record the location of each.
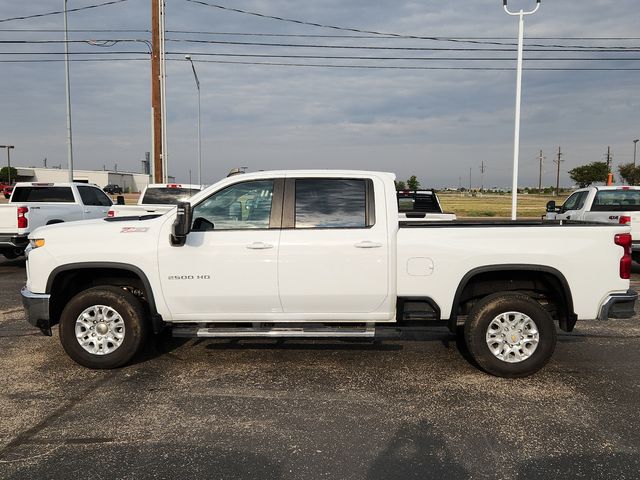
(61, 281)
(504, 274)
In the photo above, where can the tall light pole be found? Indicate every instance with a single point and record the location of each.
(635, 145)
(67, 88)
(8, 147)
(516, 141)
(195, 75)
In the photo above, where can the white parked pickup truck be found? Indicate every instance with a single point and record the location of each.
(33, 205)
(611, 204)
(321, 254)
(156, 199)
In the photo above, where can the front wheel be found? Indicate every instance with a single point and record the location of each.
(510, 335)
(103, 327)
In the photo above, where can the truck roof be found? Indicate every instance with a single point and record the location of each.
(175, 185)
(52, 184)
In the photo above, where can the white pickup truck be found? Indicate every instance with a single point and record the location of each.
(610, 204)
(33, 205)
(321, 254)
(156, 199)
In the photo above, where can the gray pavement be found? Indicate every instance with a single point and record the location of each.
(304, 409)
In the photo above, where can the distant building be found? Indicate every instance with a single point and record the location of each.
(129, 181)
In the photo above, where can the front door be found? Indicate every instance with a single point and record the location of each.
(227, 270)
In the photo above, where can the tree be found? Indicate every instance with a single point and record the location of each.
(413, 183)
(629, 174)
(593, 172)
(400, 185)
(4, 174)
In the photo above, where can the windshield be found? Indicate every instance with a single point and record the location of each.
(616, 201)
(167, 196)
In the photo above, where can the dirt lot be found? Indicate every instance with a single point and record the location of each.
(304, 409)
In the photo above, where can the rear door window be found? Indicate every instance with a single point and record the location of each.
(331, 203)
(43, 194)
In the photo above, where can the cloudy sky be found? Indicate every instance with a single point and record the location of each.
(425, 118)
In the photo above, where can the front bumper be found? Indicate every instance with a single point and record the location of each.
(619, 305)
(36, 307)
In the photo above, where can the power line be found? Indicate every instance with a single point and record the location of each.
(351, 29)
(58, 12)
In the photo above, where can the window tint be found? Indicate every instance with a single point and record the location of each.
(244, 205)
(575, 201)
(43, 194)
(93, 197)
(330, 203)
(616, 200)
(167, 196)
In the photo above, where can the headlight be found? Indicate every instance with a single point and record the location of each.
(36, 243)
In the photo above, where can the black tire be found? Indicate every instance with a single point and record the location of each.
(127, 306)
(479, 320)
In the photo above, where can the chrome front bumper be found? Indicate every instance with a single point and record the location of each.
(36, 307)
(619, 305)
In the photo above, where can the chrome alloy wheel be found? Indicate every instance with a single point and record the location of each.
(512, 337)
(99, 329)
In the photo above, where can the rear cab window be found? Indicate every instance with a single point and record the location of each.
(167, 195)
(44, 194)
(616, 201)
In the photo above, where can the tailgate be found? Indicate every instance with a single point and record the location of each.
(8, 219)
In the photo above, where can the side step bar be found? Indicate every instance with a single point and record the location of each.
(368, 331)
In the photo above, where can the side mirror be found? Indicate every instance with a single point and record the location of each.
(181, 225)
(551, 206)
(120, 200)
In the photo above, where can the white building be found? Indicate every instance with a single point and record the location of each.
(129, 181)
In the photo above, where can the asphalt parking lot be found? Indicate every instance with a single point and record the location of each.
(303, 409)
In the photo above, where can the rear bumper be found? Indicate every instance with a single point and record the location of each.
(36, 306)
(13, 241)
(619, 305)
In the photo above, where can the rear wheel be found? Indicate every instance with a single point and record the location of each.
(103, 327)
(510, 335)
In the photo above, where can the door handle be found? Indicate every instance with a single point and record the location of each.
(368, 244)
(87, 211)
(259, 246)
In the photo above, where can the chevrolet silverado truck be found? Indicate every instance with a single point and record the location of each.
(321, 254)
(421, 205)
(33, 205)
(156, 199)
(610, 204)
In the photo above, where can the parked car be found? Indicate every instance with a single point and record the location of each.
(610, 204)
(321, 254)
(156, 199)
(113, 189)
(6, 191)
(33, 205)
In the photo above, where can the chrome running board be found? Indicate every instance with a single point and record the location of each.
(367, 331)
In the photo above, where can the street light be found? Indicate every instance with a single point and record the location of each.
(635, 144)
(195, 75)
(516, 140)
(8, 147)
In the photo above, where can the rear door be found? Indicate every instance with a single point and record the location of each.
(333, 250)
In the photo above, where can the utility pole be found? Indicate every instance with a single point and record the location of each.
(68, 93)
(608, 155)
(541, 158)
(635, 145)
(156, 108)
(482, 169)
(469, 179)
(558, 161)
